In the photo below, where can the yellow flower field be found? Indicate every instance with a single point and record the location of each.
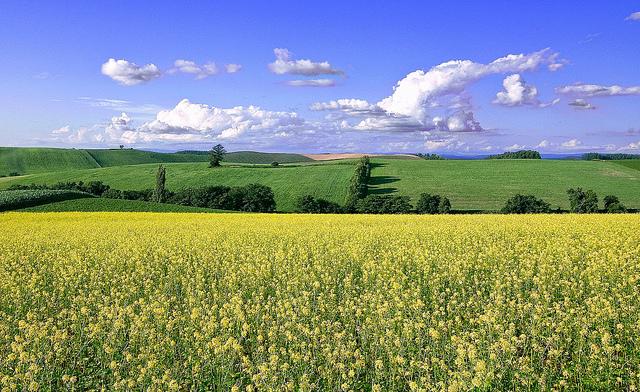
(242, 302)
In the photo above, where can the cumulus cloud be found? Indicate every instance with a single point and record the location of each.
(515, 147)
(595, 90)
(284, 64)
(190, 67)
(544, 144)
(631, 146)
(518, 93)
(460, 121)
(233, 68)
(128, 73)
(573, 143)
(413, 94)
(312, 83)
(62, 130)
(580, 103)
(347, 105)
(634, 16)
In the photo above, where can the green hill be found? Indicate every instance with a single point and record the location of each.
(255, 157)
(36, 160)
(117, 157)
(101, 204)
(329, 181)
(487, 184)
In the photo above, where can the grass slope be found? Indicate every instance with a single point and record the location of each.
(487, 184)
(329, 181)
(101, 204)
(255, 157)
(630, 163)
(36, 160)
(117, 157)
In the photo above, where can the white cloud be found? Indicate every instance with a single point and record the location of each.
(312, 83)
(413, 94)
(129, 74)
(515, 147)
(190, 67)
(634, 16)
(544, 144)
(460, 121)
(581, 104)
(347, 105)
(433, 145)
(285, 65)
(631, 146)
(573, 143)
(62, 130)
(595, 90)
(120, 105)
(233, 68)
(518, 93)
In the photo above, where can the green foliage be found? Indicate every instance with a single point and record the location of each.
(358, 185)
(430, 157)
(613, 205)
(526, 204)
(275, 164)
(249, 198)
(523, 154)
(96, 188)
(15, 199)
(582, 202)
(384, 204)
(309, 204)
(590, 156)
(216, 155)
(433, 204)
(103, 204)
(159, 193)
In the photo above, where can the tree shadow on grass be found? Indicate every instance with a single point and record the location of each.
(378, 185)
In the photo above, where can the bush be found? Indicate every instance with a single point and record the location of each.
(430, 157)
(433, 204)
(16, 199)
(275, 164)
(612, 205)
(142, 195)
(207, 197)
(384, 204)
(523, 154)
(96, 188)
(526, 204)
(582, 202)
(251, 198)
(14, 174)
(309, 204)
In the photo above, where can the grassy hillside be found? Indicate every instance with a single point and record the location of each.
(486, 184)
(36, 160)
(101, 204)
(255, 157)
(631, 163)
(328, 181)
(117, 157)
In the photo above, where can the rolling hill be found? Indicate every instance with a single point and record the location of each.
(487, 184)
(39, 160)
(328, 181)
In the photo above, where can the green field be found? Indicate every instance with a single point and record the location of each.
(631, 163)
(101, 204)
(487, 184)
(35, 160)
(38, 160)
(329, 181)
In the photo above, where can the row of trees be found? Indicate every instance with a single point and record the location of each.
(430, 157)
(522, 154)
(358, 188)
(580, 202)
(592, 156)
(378, 204)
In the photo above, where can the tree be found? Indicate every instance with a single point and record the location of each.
(275, 164)
(582, 202)
(309, 204)
(122, 146)
(433, 204)
(612, 205)
(523, 154)
(526, 204)
(358, 185)
(251, 198)
(161, 179)
(216, 155)
(384, 204)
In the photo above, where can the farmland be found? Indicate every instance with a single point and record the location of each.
(131, 301)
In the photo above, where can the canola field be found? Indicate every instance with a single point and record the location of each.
(243, 302)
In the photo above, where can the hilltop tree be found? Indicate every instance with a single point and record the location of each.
(161, 179)
(216, 155)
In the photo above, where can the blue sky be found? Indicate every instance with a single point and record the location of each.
(469, 77)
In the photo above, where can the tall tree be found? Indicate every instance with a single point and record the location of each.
(161, 179)
(216, 155)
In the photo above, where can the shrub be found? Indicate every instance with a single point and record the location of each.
(433, 204)
(612, 205)
(526, 204)
(16, 199)
(309, 204)
(96, 188)
(14, 174)
(251, 198)
(384, 204)
(207, 197)
(582, 202)
(275, 164)
(430, 157)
